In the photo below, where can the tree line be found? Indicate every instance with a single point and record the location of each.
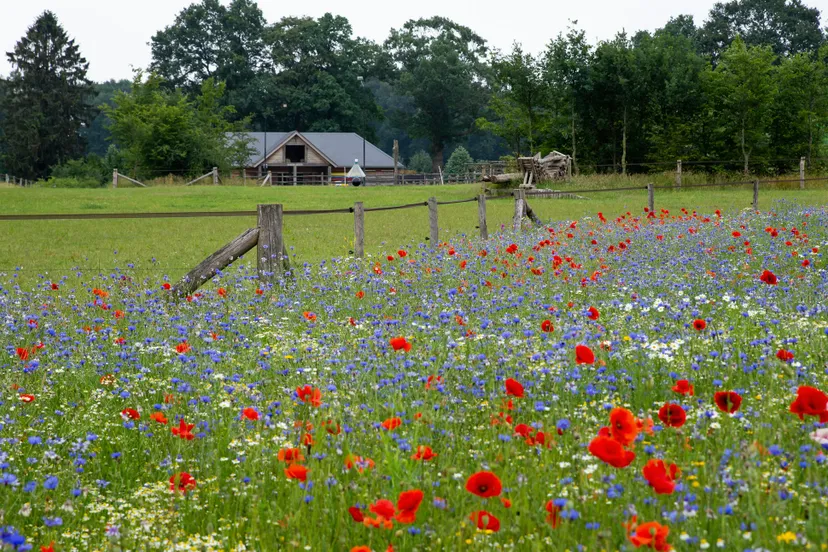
(746, 90)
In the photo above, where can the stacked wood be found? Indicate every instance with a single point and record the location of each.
(554, 166)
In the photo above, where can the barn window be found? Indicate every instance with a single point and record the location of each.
(295, 154)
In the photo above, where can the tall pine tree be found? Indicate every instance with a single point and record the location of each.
(46, 101)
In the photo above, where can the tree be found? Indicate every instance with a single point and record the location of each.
(787, 26)
(458, 161)
(420, 162)
(46, 100)
(443, 70)
(742, 88)
(566, 70)
(161, 131)
(518, 98)
(97, 134)
(208, 40)
(316, 77)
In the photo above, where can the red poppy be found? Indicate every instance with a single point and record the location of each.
(250, 414)
(651, 535)
(308, 394)
(130, 414)
(400, 343)
(424, 453)
(27, 398)
(297, 471)
(523, 430)
(392, 423)
(166, 285)
(810, 401)
(699, 324)
(768, 277)
(183, 482)
(401, 253)
(159, 417)
(182, 347)
(383, 508)
(309, 316)
(784, 356)
(514, 388)
(584, 355)
(433, 380)
(332, 427)
(610, 451)
(184, 430)
(361, 548)
(546, 326)
(484, 484)
(360, 294)
(727, 401)
(623, 426)
(672, 415)
(485, 521)
(552, 517)
(593, 313)
(22, 353)
(659, 477)
(290, 455)
(684, 387)
(54, 286)
(407, 505)
(356, 514)
(118, 314)
(259, 291)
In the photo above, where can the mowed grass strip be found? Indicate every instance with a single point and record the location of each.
(172, 246)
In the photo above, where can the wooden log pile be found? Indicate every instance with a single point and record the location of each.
(554, 166)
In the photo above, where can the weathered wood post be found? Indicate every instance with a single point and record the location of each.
(434, 234)
(481, 216)
(520, 208)
(7, 178)
(114, 178)
(569, 170)
(755, 195)
(651, 197)
(359, 230)
(215, 176)
(271, 244)
(396, 161)
(801, 173)
(678, 173)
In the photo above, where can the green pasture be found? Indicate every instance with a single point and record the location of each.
(172, 246)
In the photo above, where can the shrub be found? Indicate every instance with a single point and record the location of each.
(420, 162)
(457, 163)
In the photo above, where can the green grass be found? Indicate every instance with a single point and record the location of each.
(172, 246)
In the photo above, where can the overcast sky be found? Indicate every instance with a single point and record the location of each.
(113, 34)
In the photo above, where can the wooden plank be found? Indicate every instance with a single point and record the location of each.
(678, 173)
(481, 216)
(530, 214)
(434, 234)
(197, 179)
(359, 230)
(270, 253)
(132, 180)
(755, 195)
(519, 209)
(651, 197)
(216, 262)
(801, 173)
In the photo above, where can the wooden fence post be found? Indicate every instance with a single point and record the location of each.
(801, 173)
(434, 233)
(481, 216)
(755, 195)
(678, 173)
(215, 176)
(396, 161)
(7, 178)
(519, 209)
(271, 244)
(114, 178)
(651, 197)
(359, 230)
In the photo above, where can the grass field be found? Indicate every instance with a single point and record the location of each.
(644, 383)
(172, 246)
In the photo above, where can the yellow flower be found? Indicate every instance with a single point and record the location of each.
(787, 537)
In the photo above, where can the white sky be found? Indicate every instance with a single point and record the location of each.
(113, 35)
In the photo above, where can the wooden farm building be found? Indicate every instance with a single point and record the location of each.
(314, 157)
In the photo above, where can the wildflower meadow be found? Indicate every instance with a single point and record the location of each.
(625, 381)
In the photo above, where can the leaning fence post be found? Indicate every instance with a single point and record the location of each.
(359, 230)
(481, 216)
(678, 173)
(114, 178)
(651, 197)
(434, 234)
(271, 243)
(801, 173)
(755, 195)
